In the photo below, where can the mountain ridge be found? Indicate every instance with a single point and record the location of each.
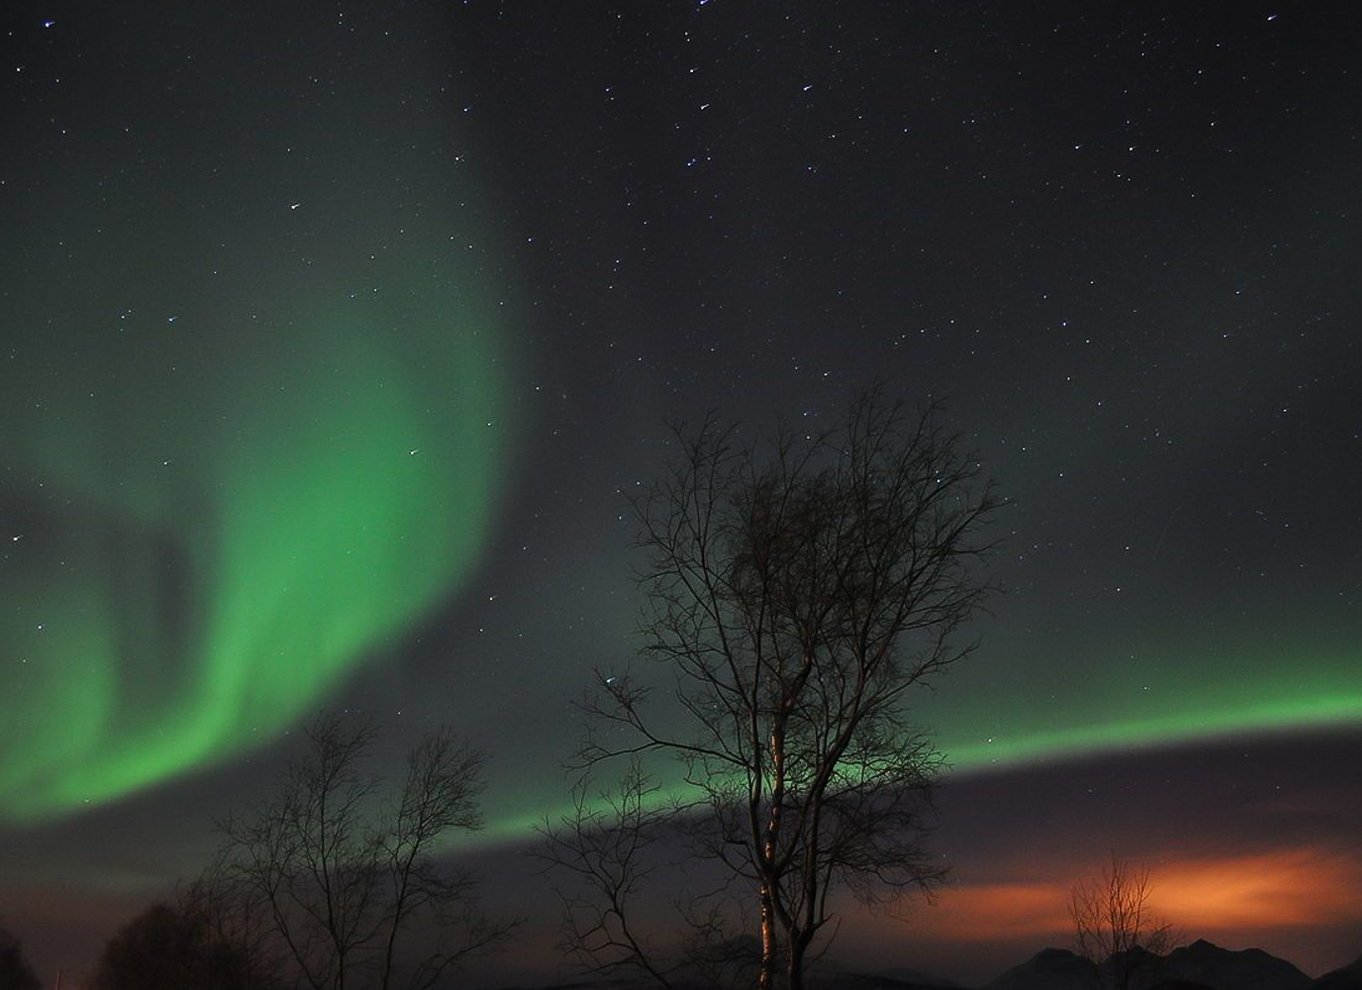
(1199, 965)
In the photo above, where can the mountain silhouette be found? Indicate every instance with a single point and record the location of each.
(1199, 966)
(1347, 978)
(1049, 969)
(1225, 969)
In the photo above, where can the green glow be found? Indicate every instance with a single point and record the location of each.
(1246, 689)
(219, 518)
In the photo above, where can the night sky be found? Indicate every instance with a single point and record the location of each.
(333, 336)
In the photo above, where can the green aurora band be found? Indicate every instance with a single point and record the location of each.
(1320, 687)
(253, 404)
(1308, 680)
(210, 520)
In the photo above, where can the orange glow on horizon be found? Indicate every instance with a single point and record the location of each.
(986, 912)
(1283, 888)
(1229, 899)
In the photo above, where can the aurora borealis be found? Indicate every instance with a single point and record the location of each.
(225, 549)
(244, 449)
(333, 337)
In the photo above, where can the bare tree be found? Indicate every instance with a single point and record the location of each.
(603, 845)
(797, 593)
(15, 971)
(345, 880)
(444, 777)
(1113, 924)
(177, 945)
(232, 917)
(616, 841)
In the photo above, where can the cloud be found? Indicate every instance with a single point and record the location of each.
(1232, 900)
(1290, 886)
(989, 911)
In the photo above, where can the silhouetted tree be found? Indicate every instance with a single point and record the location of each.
(234, 918)
(174, 945)
(347, 884)
(15, 972)
(1113, 924)
(797, 593)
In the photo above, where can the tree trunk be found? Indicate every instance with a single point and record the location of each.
(795, 976)
(766, 975)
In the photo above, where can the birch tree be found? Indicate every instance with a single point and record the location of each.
(797, 594)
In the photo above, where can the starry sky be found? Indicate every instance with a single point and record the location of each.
(333, 337)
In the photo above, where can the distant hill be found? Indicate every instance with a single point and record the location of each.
(866, 981)
(1178, 985)
(1199, 966)
(1347, 978)
(1049, 969)
(1225, 969)
(918, 978)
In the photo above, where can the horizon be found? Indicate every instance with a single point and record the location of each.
(999, 909)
